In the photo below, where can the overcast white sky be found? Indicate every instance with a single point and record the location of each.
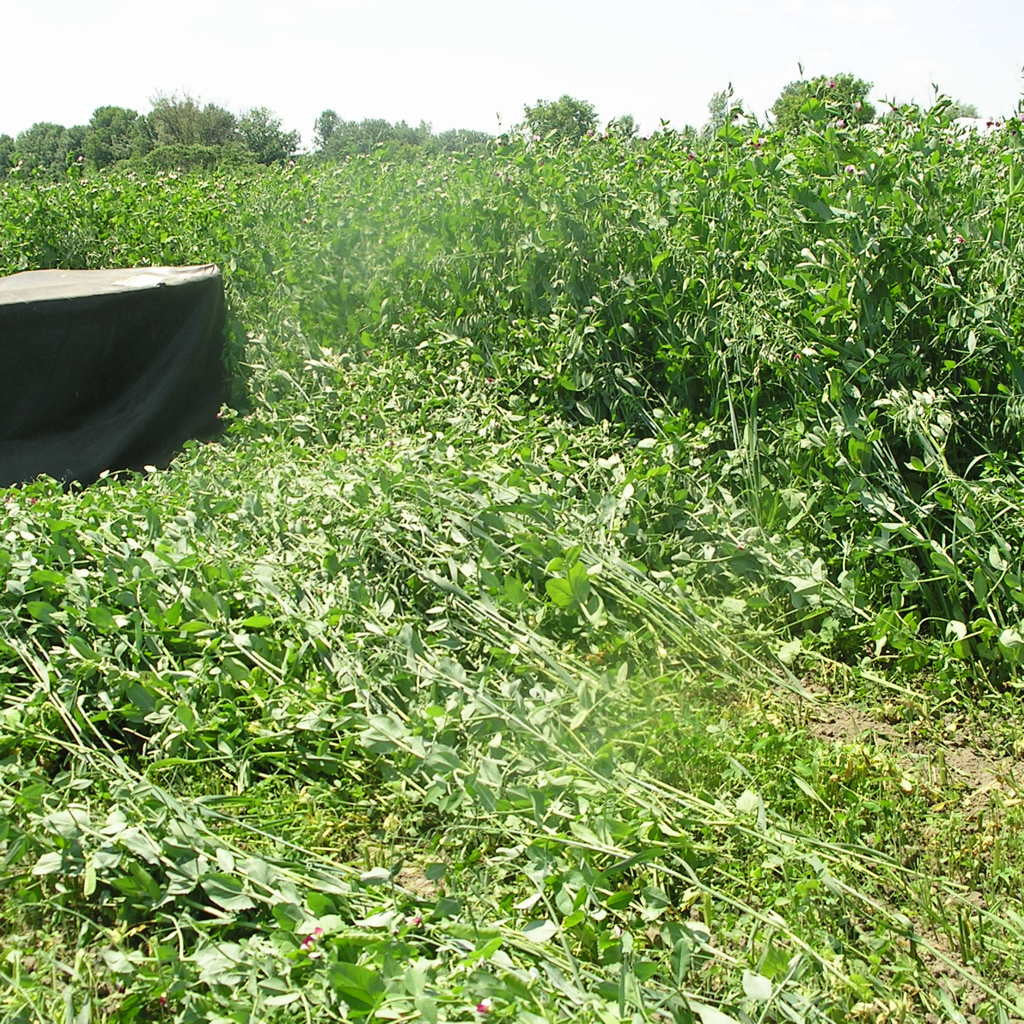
(474, 63)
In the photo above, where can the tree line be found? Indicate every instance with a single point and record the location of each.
(180, 133)
(177, 132)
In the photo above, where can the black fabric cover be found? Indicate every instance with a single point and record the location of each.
(107, 369)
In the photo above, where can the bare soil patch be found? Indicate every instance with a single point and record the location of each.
(959, 757)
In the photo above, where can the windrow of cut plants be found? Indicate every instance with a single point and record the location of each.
(437, 688)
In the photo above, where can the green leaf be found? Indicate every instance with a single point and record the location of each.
(813, 203)
(41, 610)
(227, 892)
(484, 952)
(257, 622)
(48, 864)
(709, 1015)
(1011, 638)
(560, 592)
(387, 728)
(956, 629)
(540, 931)
(579, 582)
(284, 999)
(756, 986)
(356, 984)
(219, 963)
(120, 962)
(102, 618)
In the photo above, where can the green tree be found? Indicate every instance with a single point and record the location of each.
(113, 134)
(839, 97)
(183, 122)
(261, 134)
(45, 147)
(460, 140)
(337, 139)
(563, 120)
(76, 143)
(959, 109)
(6, 155)
(323, 128)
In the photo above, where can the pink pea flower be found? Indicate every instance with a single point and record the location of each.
(832, 83)
(310, 940)
(484, 1006)
(840, 123)
(850, 169)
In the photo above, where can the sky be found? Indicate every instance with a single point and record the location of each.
(475, 63)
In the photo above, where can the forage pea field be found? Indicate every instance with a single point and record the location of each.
(605, 602)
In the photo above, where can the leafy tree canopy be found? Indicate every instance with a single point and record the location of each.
(959, 109)
(184, 122)
(115, 133)
(6, 154)
(261, 133)
(955, 108)
(563, 120)
(335, 138)
(48, 147)
(323, 128)
(842, 97)
(458, 140)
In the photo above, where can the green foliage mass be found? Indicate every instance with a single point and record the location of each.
(46, 148)
(179, 133)
(565, 120)
(839, 97)
(182, 134)
(960, 109)
(183, 121)
(445, 685)
(6, 154)
(262, 135)
(114, 134)
(335, 139)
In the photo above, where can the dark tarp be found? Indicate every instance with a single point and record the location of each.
(107, 369)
